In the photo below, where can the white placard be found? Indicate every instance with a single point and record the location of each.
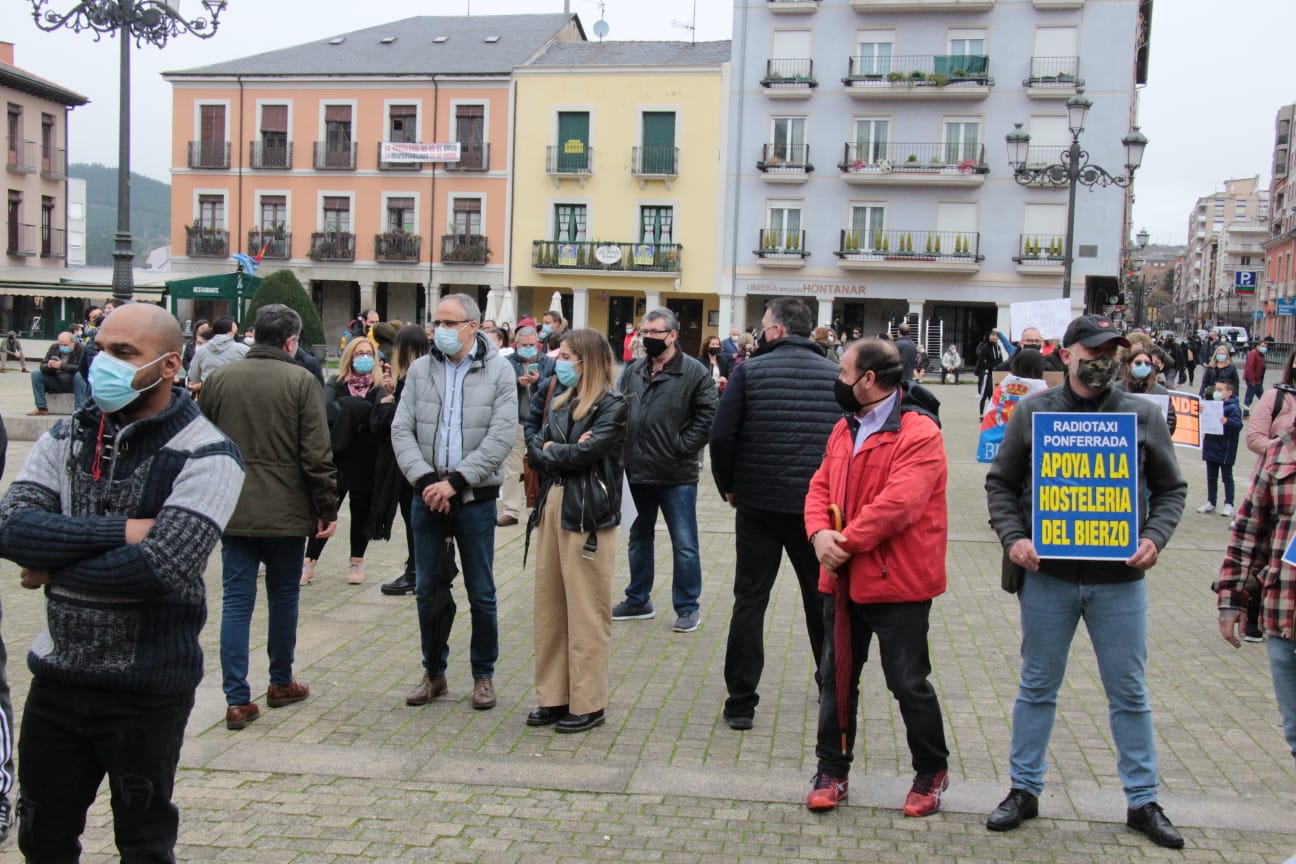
(1050, 316)
(1212, 417)
(394, 151)
(1158, 399)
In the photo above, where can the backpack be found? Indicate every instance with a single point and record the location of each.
(1282, 389)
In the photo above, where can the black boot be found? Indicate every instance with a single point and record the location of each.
(402, 584)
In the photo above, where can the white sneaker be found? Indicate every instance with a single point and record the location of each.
(1227, 511)
(1206, 508)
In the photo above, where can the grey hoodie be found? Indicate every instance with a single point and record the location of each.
(218, 351)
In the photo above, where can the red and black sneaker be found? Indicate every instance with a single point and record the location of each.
(827, 791)
(924, 797)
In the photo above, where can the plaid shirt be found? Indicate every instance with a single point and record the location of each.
(1262, 529)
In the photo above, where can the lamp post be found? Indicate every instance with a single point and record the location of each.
(1137, 284)
(145, 21)
(1074, 169)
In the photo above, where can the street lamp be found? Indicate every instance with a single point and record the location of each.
(145, 21)
(1074, 168)
(1137, 285)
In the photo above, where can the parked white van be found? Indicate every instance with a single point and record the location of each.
(1237, 336)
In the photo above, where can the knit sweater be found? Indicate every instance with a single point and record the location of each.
(122, 616)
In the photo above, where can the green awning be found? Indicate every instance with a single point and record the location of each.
(233, 287)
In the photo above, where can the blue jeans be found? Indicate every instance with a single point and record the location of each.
(45, 382)
(473, 527)
(1116, 618)
(678, 505)
(1253, 391)
(1282, 666)
(240, 558)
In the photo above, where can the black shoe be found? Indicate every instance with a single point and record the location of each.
(737, 722)
(546, 716)
(402, 584)
(1150, 820)
(580, 722)
(1019, 806)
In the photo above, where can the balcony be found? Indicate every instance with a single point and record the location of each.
(209, 154)
(398, 247)
(1058, 4)
(922, 5)
(1040, 254)
(573, 159)
(23, 156)
(470, 159)
(54, 165)
(464, 249)
(920, 76)
(654, 162)
(277, 243)
(789, 79)
(1053, 78)
(53, 243)
(332, 246)
(395, 166)
(782, 248)
(648, 259)
(792, 7)
(263, 154)
(1282, 138)
(333, 157)
(911, 251)
(203, 242)
(23, 240)
(896, 164)
(785, 163)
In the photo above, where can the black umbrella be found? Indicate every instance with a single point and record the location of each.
(843, 660)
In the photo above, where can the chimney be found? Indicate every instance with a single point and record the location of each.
(7, 53)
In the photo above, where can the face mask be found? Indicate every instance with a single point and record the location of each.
(362, 364)
(112, 381)
(629, 328)
(1263, 350)
(1140, 370)
(1218, 395)
(1221, 358)
(713, 351)
(526, 352)
(545, 329)
(447, 340)
(566, 372)
(653, 346)
(1098, 374)
(249, 340)
(65, 349)
(845, 396)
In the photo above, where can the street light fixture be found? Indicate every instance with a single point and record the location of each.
(1075, 168)
(146, 21)
(1137, 285)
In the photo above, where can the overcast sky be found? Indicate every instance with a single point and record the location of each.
(1208, 109)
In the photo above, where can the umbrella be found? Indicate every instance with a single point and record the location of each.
(555, 302)
(507, 312)
(492, 305)
(842, 659)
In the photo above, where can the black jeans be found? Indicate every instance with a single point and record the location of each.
(6, 728)
(760, 537)
(901, 629)
(361, 502)
(71, 737)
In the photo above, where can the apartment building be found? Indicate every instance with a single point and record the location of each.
(1277, 292)
(868, 170)
(374, 163)
(1226, 233)
(617, 202)
(36, 211)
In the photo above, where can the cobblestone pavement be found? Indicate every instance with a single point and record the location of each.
(354, 775)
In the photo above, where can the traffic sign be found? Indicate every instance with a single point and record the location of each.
(1244, 281)
(1257, 314)
(1286, 306)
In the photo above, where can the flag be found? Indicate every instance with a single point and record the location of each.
(248, 262)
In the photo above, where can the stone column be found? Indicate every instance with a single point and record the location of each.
(825, 311)
(580, 308)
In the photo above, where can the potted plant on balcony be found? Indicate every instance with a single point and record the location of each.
(967, 166)
(917, 78)
(940, 79)
(895, 77)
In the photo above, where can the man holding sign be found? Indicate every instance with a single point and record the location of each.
(1070, 473)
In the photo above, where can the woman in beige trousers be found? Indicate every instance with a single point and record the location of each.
(574, 434)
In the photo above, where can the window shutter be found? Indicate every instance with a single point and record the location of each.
(337, 113)
(274, 118)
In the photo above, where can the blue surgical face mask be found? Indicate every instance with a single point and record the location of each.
(65, 349)
(566, 372)
(1141, 370)
(1263, 349)
(447, 340)
(526, 352)
(112, 381)
(362, 363)
(545, 329)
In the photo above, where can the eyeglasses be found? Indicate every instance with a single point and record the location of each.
(448, 323)
(656, 334)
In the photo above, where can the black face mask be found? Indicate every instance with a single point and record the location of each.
(845, 395)
(654, 347)
(713, 351)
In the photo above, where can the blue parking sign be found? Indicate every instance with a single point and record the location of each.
(1245, 279)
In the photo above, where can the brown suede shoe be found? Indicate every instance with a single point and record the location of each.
(37, 412)
(293, 691)
(427, 690)
(483, 694)
(239, 716)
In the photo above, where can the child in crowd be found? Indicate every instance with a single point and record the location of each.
(1220, 448)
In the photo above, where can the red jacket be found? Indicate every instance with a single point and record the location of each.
(1253, 372)
(892, 493)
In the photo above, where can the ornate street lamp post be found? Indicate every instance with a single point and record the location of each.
(145, 21)
(1074, 169)
(1138, 284)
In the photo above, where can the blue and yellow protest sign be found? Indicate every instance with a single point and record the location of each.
(1084, 472)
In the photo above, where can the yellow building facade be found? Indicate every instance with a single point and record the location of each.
(617, 200)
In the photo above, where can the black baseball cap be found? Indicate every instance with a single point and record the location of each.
(1092, 331)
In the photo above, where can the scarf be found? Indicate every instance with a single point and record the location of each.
(358, 385)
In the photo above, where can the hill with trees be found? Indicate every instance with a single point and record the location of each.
(150, 212)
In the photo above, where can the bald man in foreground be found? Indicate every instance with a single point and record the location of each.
(114, 515)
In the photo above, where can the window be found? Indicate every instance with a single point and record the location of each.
(868, 221)
(274, 212)
(658, 142)
(1042, 223)
(1246, 261)
(47, 140)
(75, 211)
(656, 224)
(337, 136)
(873, 50)
(402, 120)
(791, 53)
(274, 136)
(569, 223)
(788, 140)
(211, 212)
(15, 216)
(467, 216)
(47, 226)
(783, 225)
(400, 215)
(470, 132)
(1049, 137)
(1240, 208)
(15, 133)
(337, 213)
(958, 220)
(1056, 52)
(573, 141)
(967, 43)
(962, 140)
(872, 138)
(211, 136)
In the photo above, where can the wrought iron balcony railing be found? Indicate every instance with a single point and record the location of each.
(23, 156)
(789, 73)
(277, 243)
(606, 257)
(23, 240)
(332, 246)
(781, 243)
(209, 154)
(919, 70)
(785, 158)
(1054, 72)
(53, 243)
(927, 158)
(331, 157)
(397, 246)
(270, 154)
(206, 242)
(654, 160)
(895, 245)
(567, 159)
(470, 159)
(464, 249)
(1040, 248)
(54, 165)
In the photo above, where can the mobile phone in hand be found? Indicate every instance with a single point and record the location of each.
(533, 368)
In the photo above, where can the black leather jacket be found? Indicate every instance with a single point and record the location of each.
(589, 472)
(670, 418)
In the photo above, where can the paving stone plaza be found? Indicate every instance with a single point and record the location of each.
(353, 775)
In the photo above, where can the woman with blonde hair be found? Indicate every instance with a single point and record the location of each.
(350, 397)
(574, 435)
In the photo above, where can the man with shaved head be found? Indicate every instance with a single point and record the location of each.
(114, 514)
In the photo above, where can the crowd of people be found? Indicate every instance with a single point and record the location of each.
(824, 443)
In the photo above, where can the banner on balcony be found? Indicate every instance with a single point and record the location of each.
(395, 151)
(645, 254)
(566, 254)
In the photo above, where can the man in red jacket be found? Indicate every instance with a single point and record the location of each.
(885, 470)
(1253, 373)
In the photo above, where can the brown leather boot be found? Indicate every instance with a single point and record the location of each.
(293, 691)
(483, 694)
(239, 716)
(427, 690)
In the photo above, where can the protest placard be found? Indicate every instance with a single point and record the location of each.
(1050, 316)
(1187, 431)
(1084, 473)
(1157, 399)
(1212, 417)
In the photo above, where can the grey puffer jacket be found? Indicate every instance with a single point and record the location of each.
(489, 423)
